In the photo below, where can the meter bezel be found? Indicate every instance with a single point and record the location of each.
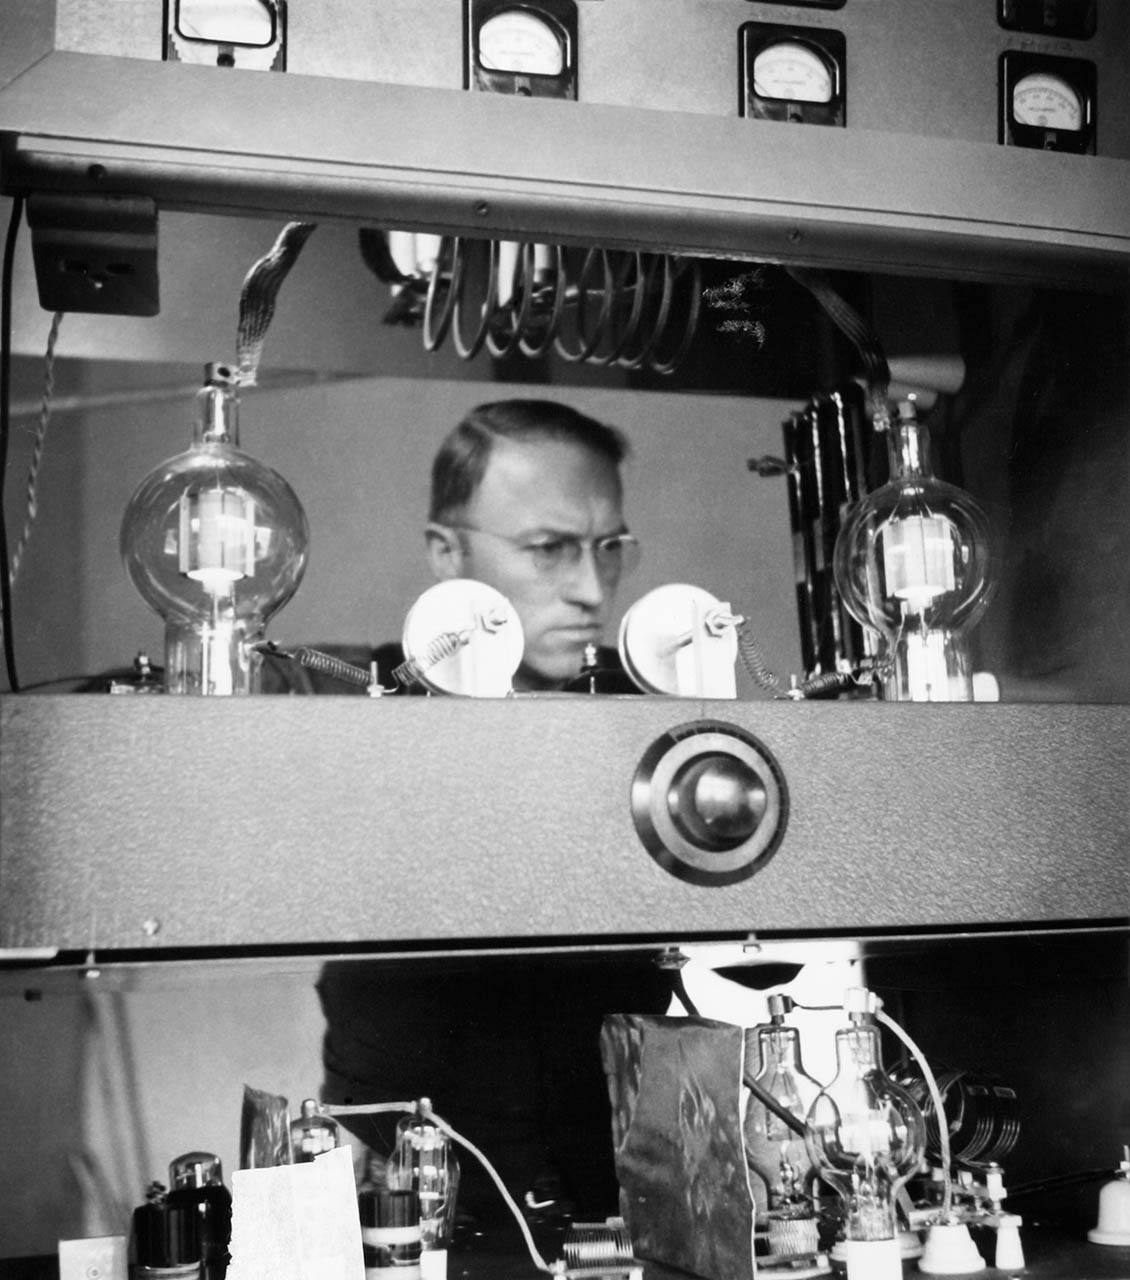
(1078, 73)
(268, 55)
(827, 44)
(1031, 17)
(560, 16)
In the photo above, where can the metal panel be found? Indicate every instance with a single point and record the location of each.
(573, 172)
(915, 66)
(165, 822)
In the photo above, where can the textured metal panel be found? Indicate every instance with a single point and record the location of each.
(29, 38)
(191, 823)
(915, 67)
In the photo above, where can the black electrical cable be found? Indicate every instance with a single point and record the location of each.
(1057, 1182)
(5, 428)
(771, 1104)
(862, 336)
(682, 994)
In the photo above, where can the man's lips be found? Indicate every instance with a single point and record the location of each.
(582, 632)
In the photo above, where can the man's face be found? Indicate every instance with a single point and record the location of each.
(532, 492)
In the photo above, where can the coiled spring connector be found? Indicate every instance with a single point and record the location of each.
(446, 645)
(599, 1251)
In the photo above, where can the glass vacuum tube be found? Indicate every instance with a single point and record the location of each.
(197, 1182)
(866, 1136)
(912, 562)
(424, 1161)
(215, 542)
(312, 1132)
(775, 1150)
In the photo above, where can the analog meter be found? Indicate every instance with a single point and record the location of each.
(527, 48)
(1047, 103)
(793, 74)
(1074, 19)
(227, 33)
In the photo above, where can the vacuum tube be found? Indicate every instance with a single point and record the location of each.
(866, 1136)
(912, 562)
(215, 542)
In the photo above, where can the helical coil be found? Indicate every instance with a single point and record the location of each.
(982, 1114)
(598, 1245)
(604, 307)
(445, 645)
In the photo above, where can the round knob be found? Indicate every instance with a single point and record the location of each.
(717, 801)
(709, 802)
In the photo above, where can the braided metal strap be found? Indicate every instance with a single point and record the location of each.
(257, 298)
(37, 452)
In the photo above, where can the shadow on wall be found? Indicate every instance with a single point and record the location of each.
(106, 1080)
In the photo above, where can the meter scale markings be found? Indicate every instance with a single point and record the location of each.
(1048, 102)
(519, 41)
(793, 72)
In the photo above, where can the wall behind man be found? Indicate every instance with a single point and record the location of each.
(358, 454)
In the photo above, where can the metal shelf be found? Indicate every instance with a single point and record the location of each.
(316, 148)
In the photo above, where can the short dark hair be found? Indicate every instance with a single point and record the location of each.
(461, 461)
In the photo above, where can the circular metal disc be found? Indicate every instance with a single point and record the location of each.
(465, 638)
(658, 625)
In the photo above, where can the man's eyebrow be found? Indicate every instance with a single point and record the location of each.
(548, 531)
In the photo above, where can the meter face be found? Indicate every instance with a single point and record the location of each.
(792, 71)
(1047, 101)
(245, 22)
(519, 41)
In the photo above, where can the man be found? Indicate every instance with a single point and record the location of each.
(526, 497)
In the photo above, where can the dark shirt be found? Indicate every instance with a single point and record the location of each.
(506, 1047)
(508, 1050)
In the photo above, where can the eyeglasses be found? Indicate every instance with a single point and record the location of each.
(560, 553)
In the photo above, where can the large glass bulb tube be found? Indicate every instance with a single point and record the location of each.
(775, 1150)
(215, 542)
(866, 1136)
(912, 562)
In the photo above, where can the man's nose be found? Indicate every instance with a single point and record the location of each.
(585, 584)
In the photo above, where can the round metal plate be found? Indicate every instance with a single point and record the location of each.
(465, 638)
(662, 622)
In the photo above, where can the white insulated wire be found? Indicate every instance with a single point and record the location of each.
(424, 1107)
(936, 1098)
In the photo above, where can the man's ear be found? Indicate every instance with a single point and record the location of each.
(445, 551)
